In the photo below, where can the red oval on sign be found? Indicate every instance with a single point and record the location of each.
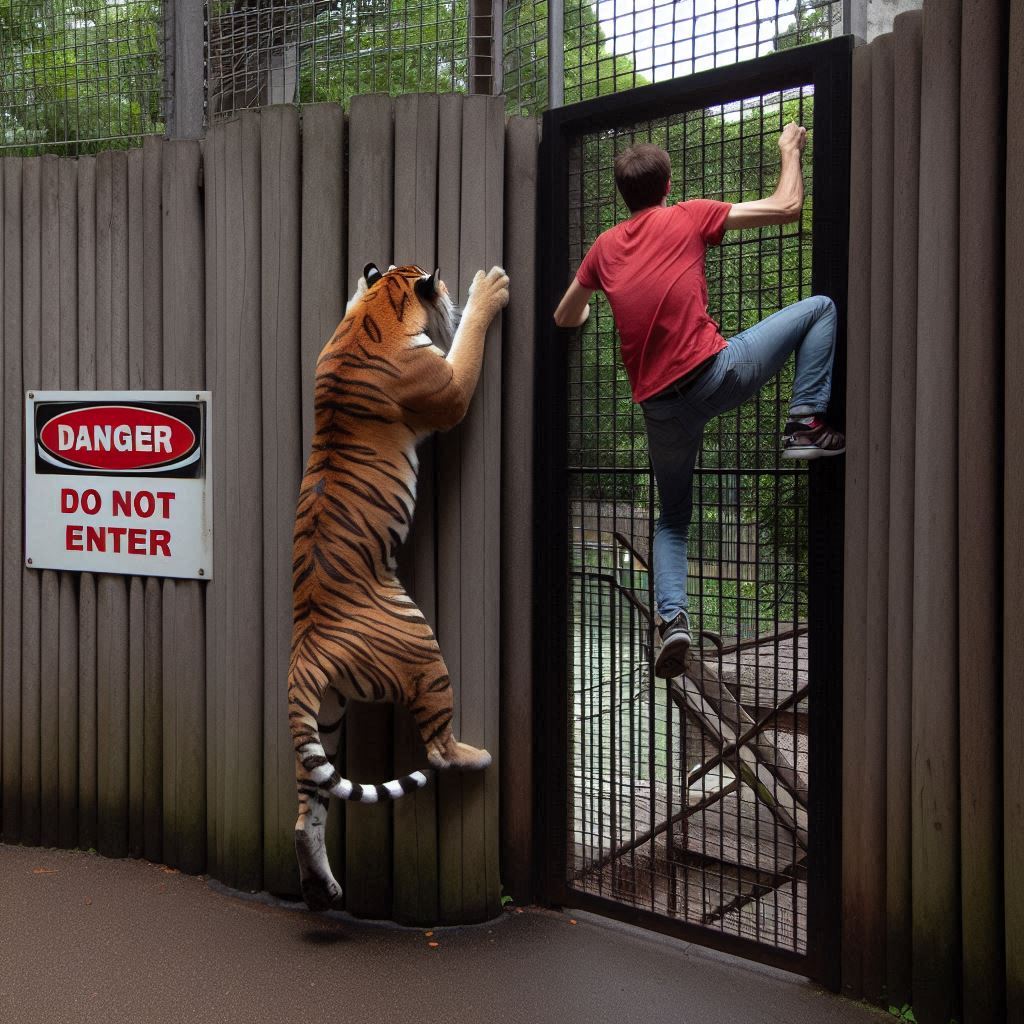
(117, 437)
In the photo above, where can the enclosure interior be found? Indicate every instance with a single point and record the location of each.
(689, 798)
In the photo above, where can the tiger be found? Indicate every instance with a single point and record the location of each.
(402, 364)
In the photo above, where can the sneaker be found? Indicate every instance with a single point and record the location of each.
(811, 439)
(675, 647)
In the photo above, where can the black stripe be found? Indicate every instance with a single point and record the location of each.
(313, 761)
(357, 792)
(408, 783)
(382, 793)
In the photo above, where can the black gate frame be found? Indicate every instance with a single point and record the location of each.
(827, 67)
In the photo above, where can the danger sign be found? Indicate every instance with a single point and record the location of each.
(118, 482)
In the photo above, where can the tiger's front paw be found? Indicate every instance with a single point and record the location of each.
(488, 293)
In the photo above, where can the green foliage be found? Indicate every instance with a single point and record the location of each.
(903, 1013)
(75, 74)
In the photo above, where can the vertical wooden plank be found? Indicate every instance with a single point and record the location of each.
(281, 359)
(49, 581)
(903, 376)
(323, 241)
(112, 638)
(323, 280)
(448, 507)
(239, 584)
(136, 355)
(3, 325)
(12, 501)
(215, 188)
(87, 726)
(368, 731)
(152, 373)
(480, 247)
(415, 241)
(67, 659)
(183, 670)
(855, 799)
(1013, 538)
(516, 766)
(31, 344)
(935, 776)
(877, 552)
(982, 188)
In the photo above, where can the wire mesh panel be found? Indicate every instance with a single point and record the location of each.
(689, 798)
(79, 75)
(260, 52)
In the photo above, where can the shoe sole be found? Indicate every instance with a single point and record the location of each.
(810, 452)
(672, 659)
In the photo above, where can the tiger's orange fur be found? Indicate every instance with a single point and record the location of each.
(381, 387)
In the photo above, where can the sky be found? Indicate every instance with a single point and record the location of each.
(667, 38)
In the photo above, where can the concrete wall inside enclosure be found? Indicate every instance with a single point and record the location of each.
(147, 717)
(933, 900)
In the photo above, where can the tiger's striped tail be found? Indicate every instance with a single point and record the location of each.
(327, 779)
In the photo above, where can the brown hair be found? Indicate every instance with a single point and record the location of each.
(642, 175)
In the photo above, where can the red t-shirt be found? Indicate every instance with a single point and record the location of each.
(651, 267)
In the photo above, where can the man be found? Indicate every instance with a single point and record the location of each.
(681, 370)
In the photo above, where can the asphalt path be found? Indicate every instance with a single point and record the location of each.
(84, 939)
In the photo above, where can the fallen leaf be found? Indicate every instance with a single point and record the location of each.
(428, 934)
(88, 901)
(44, 871)
(168, 871)
(433, 945)
(572, 920)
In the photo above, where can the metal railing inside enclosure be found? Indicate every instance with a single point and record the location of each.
(689, 798)
(79, 75)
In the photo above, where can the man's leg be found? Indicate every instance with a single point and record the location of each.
(759, 353)
(673, 435)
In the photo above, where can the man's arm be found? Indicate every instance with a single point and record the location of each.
(785, 204)
(574, 308)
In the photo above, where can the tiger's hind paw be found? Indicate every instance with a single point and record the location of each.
(320, 894)
(458, 755)
(320, 890)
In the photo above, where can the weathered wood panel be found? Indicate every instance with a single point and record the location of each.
(146, 716)
(415, 241)
(368, 730)
(12, 506)
(448, 505)
(855, 596)
(877, 550)
(323, 282)
(906, 156)
(1013, 553)
(516, 697)
(66, 755)
(88, 767)
(935, 810)
(183, 669)
(980, 370)
(282, 402)
(153, 375)
(31, 334)
(49, 581)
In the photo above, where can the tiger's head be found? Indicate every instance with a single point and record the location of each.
(417, 301)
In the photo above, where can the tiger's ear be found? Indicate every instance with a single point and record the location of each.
(371, 273)
(426, 287)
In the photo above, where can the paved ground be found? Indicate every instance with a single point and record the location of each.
(84, 939)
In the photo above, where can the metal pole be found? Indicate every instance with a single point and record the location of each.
(556, 53)
(481, 48)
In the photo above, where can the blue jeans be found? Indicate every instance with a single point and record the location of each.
(676, 418)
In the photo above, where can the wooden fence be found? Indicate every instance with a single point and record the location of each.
(147, 717)
(933, 825)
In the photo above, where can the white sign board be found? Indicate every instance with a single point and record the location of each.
(119, 482)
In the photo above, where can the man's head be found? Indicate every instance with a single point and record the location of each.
(642, 174)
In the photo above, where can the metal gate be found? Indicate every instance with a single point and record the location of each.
(707, 806)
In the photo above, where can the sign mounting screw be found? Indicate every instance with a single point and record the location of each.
(202, 572)
(31, 394)
(28, 561)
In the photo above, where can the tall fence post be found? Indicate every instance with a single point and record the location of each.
(184, 68)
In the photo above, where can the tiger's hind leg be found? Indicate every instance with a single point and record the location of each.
(432, 707)
(320, 889)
